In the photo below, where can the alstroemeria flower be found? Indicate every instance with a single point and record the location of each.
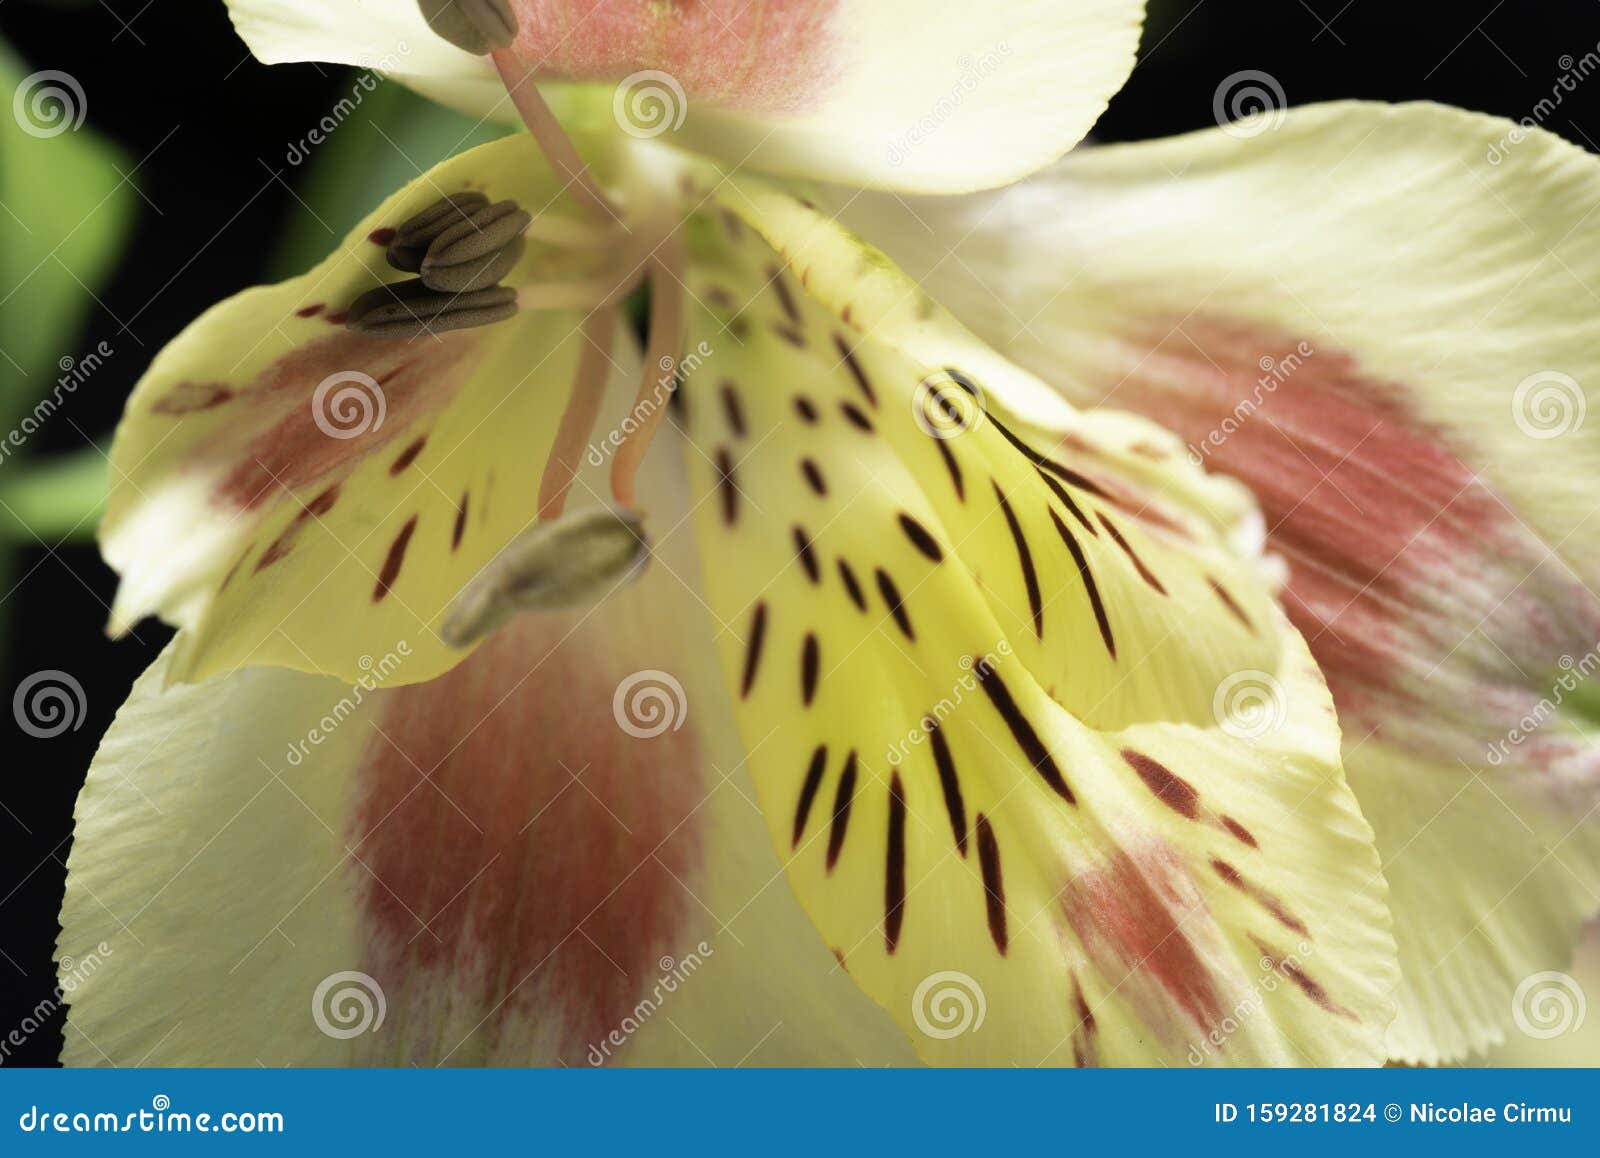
(1382, 319)
(994, 682)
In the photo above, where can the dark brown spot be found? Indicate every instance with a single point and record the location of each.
(310, 311)
(896, 605)
(1239, 831)
(338, 318)
(794, 337)
(731, 408)
(461, 522)
(408, 456)
(1033, 749)
(393, 561)
(1169, 788)
(994, 885)
(752, 649)
(894, 874)
(842, 799)
(857, 374)
(318, 506)
(1261, 896)
(953, 467)
(851, 586)
(1070, 503)
(726, 485)
(856, 417)
(780, 287)
(1228, 601)
(1090, 587)
(810, 668)
(950, 785)
(804, 408)
(808, 791)
(381, 237)
(807, 557)
(921, 538)
(813, 476)
(1290, 968)
(1138, 563)
(1030, 577)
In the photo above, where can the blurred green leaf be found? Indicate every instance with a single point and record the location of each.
(53, 499)
(393, 137)
(65, 208)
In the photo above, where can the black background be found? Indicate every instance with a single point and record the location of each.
(172, 85)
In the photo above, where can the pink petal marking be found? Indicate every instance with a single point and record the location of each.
(271, 434)
(525, 853)
(768, 56)
(1425, 599)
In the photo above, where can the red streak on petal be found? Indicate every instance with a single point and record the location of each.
(1130, 917)
(755, 55)
(539, 844)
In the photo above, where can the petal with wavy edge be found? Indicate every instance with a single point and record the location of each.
(522, 878)
(983, 807)
(1400, 369)
(866, 91)
(288, 491)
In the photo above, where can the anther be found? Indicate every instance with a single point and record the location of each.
(477, 251)
(475, 26)
(410, 309)
(415, 234)
(557, 563)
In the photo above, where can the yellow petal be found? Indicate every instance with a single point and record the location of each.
(1028, 847)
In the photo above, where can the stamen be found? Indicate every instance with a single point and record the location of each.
(551, 138)
(596, 293)
(478, 251)
(475, 274)
(560, 563)
(661, 357)
(410, 309)
(567, 233)
(475, 26)
(415, 234)
(583, 408)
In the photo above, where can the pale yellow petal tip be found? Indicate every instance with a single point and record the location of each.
(559, 563)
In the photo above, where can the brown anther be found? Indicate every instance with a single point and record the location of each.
(410, 309)
(479, 273)
(416, 233)
(475, 26)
